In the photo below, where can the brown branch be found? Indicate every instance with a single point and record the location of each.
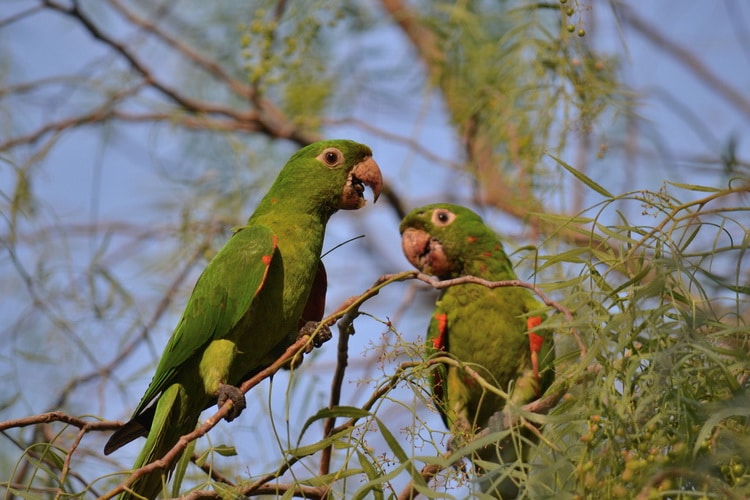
(33, 85)
(68, 457)
(53, 127)
(247, 122)
(139, 67)
(427, 473)
(58, 416)
(43, 420)
(209, 65)
(267, 118)
(423, 39)
(211, 471)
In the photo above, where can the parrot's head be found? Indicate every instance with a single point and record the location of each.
(443, 239)
(331, 176)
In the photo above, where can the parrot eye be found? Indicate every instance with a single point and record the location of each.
(442, 217)
(332, 157)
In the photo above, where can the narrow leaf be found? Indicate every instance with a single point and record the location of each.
(583, 178)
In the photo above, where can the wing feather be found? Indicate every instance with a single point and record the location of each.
(222, 296)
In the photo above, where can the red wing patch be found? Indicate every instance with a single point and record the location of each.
(440, 341)
(536, 342)
(266, 260)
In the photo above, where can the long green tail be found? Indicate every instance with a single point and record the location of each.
(171, 421)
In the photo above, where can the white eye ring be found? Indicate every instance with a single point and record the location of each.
(442, 217)
(331, 157)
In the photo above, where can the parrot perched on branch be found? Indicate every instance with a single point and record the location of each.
(489, 330)
(250, 301)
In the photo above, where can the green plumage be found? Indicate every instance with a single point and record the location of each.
(247, 304)
(487, 329)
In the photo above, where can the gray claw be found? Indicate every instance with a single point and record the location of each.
(230, 392)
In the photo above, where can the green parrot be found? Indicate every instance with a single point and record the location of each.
(250, 301)
(487, 329)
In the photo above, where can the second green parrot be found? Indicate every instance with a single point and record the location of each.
(249, 302)
(487, 329)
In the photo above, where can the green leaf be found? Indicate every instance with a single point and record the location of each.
(338, 411)
(565, 219)
(329, 478)
(617, 235)
(181, 467)
(288, 494)
(227, 492)
(694, 187)
(583, 178)
(225, 450)
(372, 474)
(304, 451)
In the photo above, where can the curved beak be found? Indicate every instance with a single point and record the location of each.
(364, 173)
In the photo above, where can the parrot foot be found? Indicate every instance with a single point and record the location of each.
(230, 392)
(308, 330)
(318, 339)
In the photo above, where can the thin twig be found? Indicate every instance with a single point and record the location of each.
(58, 416)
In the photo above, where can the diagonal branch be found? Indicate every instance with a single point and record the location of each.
(267, 118)
(207, 64)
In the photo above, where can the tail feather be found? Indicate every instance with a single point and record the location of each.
(133, 429)
(172, 419)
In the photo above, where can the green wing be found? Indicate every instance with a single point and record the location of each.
(437, 341)
(222, 296)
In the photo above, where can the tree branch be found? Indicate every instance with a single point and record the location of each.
(58, 416)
